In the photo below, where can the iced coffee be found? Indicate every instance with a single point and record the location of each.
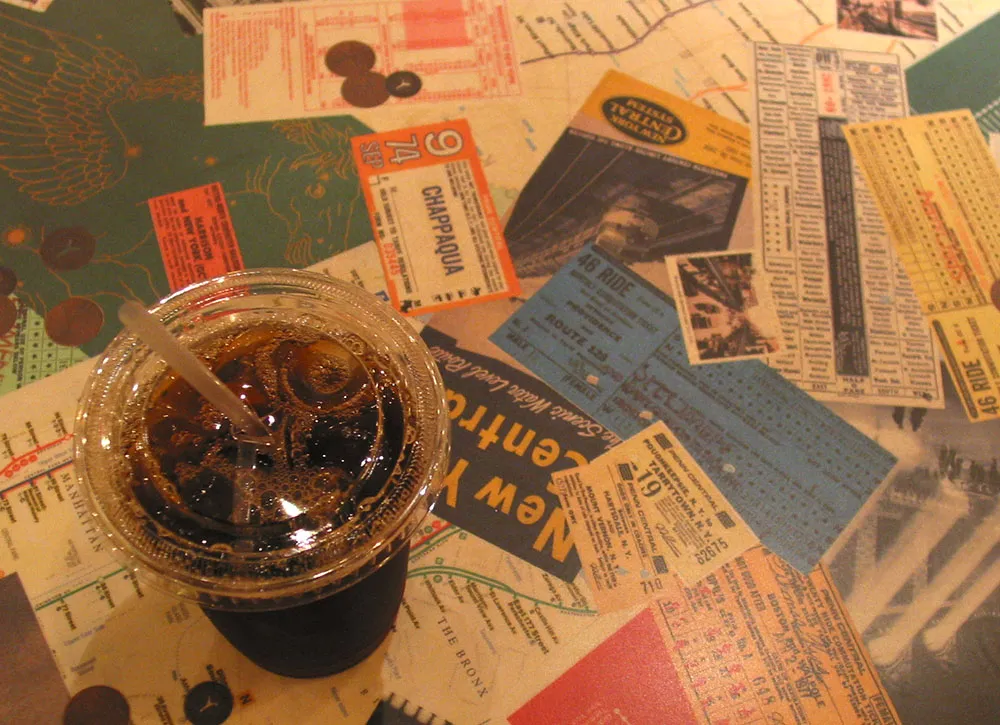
(296, 546)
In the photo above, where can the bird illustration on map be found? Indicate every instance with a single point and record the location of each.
(319, 195)
(62, 143)
(96, 119)
(59, 139)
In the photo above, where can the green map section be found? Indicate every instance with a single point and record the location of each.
(438, 569)
(955, 76)
(27, 354)
(100, 110)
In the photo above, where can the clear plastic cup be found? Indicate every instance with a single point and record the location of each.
(296, 551)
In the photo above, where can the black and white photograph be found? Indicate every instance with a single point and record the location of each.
(725, 307)
(919, 569)
(905, 18)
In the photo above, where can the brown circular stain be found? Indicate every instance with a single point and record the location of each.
(8, 281)
(403, 84)
(74, 321)
(67, 248)
(366, 90)
(350, 58)
(98, 705)
(995, 294)
(8, 314)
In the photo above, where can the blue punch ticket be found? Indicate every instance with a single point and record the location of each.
(612, 344)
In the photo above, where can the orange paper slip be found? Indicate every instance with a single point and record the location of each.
(437, 231)
(758, 642)
(196, 235)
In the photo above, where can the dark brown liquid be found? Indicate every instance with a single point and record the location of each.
(322, 637)
(338, 425)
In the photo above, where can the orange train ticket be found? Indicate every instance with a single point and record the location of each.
(938, 189)
(438, 233)
(758, 642)
(196, 235)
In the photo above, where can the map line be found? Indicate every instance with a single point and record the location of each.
(32, 479)
(473, 576)
(60, 597)
(18, 462)
(633, 44)
(718, 89)
(812, 34)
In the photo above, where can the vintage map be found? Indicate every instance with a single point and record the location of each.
(696, 49)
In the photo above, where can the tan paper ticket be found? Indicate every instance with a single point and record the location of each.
(358, 265)
(438, 233)
(938, 188)
(643, 510)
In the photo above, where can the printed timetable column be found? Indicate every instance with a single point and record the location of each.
(793, 237)
(900, 348)
(850, 321)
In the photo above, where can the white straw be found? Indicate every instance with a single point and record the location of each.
(152, 332)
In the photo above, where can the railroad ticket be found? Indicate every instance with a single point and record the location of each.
(645, 509)
(437, 230)
(359, 265)
(610, 342)
(196, 235)
(757, 642)
(754, 643)
(938, 187)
